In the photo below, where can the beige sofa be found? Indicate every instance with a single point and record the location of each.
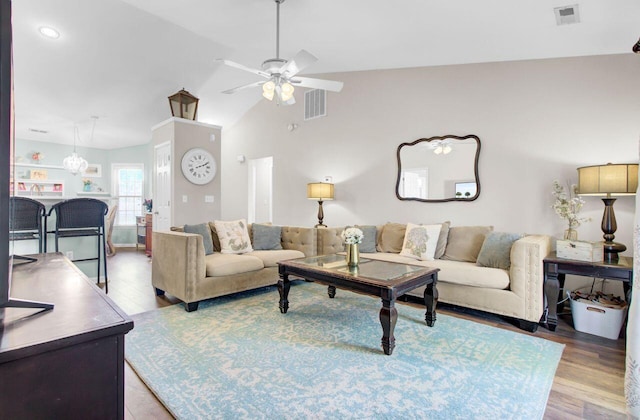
(515, 293)
(181, 268)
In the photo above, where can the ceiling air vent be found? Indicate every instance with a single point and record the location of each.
(566, 15)
(315, 104)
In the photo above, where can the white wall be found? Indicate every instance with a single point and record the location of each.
(537, 121)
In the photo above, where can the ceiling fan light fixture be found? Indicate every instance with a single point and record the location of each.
(268, 90)
(446, 149)
(287, 91)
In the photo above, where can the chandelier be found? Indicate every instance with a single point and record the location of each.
(75, 163)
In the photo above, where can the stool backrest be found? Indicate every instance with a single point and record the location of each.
(78, 213)
(25, 214)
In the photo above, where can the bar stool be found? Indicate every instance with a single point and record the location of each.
(80, 217)
(26, 221)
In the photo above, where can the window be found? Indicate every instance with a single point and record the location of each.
(128, 188)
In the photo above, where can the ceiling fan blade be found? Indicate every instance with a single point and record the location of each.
(250, 85)
(243, 67)
(297, 63)
(330, 85)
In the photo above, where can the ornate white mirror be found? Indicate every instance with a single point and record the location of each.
(437, 169)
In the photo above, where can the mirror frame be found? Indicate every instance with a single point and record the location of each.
(430, 139)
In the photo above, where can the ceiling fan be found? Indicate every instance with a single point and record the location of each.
(281, 74)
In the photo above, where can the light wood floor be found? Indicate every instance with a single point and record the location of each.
(589, 382)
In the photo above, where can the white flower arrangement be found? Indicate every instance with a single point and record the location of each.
(568, 206)
(352, 236)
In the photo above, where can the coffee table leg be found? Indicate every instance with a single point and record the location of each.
(331, 291)
(283, 289)
(388, 318)
(430, 301)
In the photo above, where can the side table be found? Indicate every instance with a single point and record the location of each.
(556, 268)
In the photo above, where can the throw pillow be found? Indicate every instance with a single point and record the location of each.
(234, 236)
(442, 240)
(496, 250)
(214, 236)
(420, 241)
(203, 230)
(368, 239)
(464, 242)
(266, 237)
(392, 237)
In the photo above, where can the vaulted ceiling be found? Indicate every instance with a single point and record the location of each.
(119, 60)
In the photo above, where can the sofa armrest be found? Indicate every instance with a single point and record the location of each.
(301, 239)
(178, 264)
(526, 272)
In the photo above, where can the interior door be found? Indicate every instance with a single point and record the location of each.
(260, 190)
(162, 195)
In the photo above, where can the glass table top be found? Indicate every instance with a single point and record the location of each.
(371, 269)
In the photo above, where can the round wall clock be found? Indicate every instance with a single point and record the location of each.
(198, 166)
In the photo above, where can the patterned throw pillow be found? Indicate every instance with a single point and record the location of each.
(234, 236)
(420, 241)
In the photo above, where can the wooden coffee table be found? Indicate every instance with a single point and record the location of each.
(386, 280)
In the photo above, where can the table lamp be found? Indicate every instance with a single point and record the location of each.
(609, 180)
(320, 191)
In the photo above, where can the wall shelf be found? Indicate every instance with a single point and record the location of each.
(37, 165)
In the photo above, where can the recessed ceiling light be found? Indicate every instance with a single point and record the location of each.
(49, 32)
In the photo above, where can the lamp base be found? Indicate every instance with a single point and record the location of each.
(611, 250)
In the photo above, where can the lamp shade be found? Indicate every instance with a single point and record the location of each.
(607, 180)
(320, 191)
(184, 105)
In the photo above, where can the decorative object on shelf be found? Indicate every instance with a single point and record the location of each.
(37, 157)
(39, 174)
(609, 180)
(148, 205)
(86, 185)
(320, 191)
(580, 250)
(282, 74)
(75, 163)
(198, 166)
(352, 238)
(636, 47)
(568, 206)
(94, 170)
(184, 105)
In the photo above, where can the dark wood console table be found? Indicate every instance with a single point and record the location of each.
(62, 363)
(556, 268)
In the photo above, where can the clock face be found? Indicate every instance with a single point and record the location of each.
(198, 166)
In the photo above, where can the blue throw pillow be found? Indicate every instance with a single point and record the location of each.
(369, 238)
(266, 237)
(496, 250)
(203, 230)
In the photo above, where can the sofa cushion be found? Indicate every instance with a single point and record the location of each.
(496, 250)
(234, 236)
(227, 264)
(203, 230)
(464, 242)
(442, 240)
(215, 238)
(455, 272)
(271, 258)
(392, 237)
(266, 237)
(420, 241)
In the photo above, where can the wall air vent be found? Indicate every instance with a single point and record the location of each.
(35, 130)
(315, 104)
(566, 15)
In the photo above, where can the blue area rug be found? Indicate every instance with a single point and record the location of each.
(239, 357)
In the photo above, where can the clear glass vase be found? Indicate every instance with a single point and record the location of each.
(571, 234)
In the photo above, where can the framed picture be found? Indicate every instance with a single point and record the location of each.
(94, 170)
(38, 174)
